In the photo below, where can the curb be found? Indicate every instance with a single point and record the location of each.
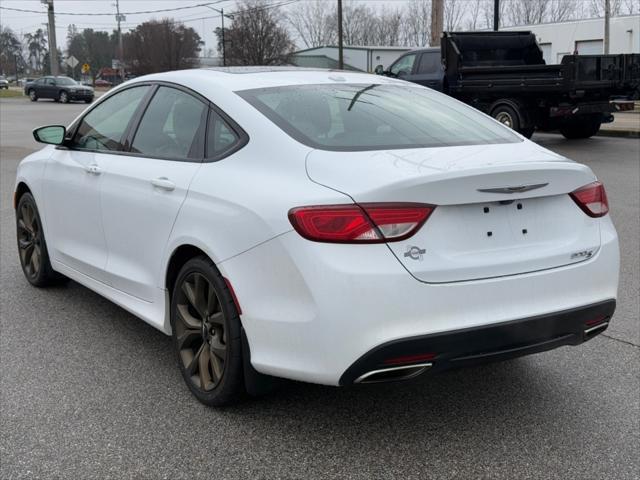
(618, 133)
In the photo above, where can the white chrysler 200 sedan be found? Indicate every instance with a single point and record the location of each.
(323, 226)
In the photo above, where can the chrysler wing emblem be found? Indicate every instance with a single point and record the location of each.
(513, 189)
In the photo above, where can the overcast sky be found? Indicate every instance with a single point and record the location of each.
(201, 18)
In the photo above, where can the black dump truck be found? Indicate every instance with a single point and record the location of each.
(504, 75)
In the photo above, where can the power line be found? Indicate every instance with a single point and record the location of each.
(93, 14)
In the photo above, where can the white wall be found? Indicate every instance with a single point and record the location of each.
(624, 36)
(364, 59)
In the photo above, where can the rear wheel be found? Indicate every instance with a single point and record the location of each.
(32, 95)
(207, 334)
(583, 126)
(32, 246)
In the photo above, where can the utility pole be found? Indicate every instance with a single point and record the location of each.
(51, 31)
(120, 18)
(340, 44)
(607, 15)
(437, 21)
(224, 47)
(496, 15)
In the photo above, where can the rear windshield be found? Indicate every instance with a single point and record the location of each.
(349, 117)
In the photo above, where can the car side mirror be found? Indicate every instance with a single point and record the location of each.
(379, 70)
(51, 135)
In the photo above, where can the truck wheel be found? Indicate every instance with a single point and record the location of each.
(507, 116)
(527, 132)
(583, 126)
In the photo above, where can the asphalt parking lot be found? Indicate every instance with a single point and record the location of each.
(89, 391)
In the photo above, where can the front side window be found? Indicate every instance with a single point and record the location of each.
(404, 66)
(172, 126)
(355, 117)
(104, 126)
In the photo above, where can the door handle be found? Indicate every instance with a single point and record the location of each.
(93, 169)
(163, 183)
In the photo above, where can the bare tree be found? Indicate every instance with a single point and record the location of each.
(475, 18)
(526, 12)
(390, 26)
(596, 7)
(314, 22)
(359, 24)
(417, 24)
(258, 35)
(561, 10)
(487, 12)
(453, 14)
(631, 7)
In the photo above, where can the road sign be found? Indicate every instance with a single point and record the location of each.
(72, 61)
(86, 68)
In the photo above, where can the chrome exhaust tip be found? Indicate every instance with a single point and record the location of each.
(393, 374)
(595, 329)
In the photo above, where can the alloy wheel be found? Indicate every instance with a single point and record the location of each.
(29, 240)
(64, 98)
(505, 118)
(32, 95)
(201, 333)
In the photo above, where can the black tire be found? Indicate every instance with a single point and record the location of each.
(33, 96)
(63, 97)
(207, 334)
(527, 132)
(583, 126)
(32, 247)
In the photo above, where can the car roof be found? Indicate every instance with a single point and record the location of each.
(244, 78)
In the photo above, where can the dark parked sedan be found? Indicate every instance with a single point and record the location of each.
(60, 89)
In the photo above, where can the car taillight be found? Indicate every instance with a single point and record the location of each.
(592, 199)
(363, 223)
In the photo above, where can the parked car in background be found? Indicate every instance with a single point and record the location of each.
(4, 83)
(59, 89)
(21, 82)
(102, 83)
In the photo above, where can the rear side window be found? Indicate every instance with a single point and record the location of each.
(221, 138)
(429, 63)
(104, 126)
(172, 126)
(355, 117)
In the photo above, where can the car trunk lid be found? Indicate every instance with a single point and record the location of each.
(501, 210)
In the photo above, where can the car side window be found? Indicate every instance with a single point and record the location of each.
(50, 81)
(429, 62)
(404, 66)
(172, 126)
(220, 136)
(103, 127)
(40, 81)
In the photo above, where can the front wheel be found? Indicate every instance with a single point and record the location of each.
(63, 97)
(32, 247)
(32, 95)
(207, 334)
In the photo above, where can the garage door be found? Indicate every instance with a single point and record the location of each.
(589, 47)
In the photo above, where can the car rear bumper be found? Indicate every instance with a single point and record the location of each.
(312, 310)
(476, 345)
